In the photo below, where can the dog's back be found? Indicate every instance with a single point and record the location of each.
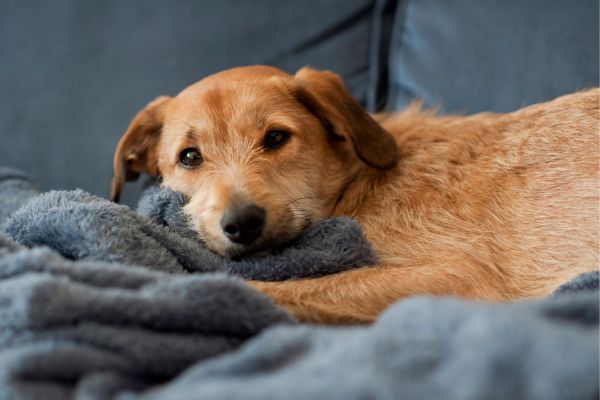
(556, 210)
(507, 203)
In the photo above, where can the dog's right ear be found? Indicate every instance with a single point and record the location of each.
(136, 151)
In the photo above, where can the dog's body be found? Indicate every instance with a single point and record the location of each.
(491, 206)
(488, 207)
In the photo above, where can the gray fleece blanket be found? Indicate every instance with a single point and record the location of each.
(79, 320)
(84, 227)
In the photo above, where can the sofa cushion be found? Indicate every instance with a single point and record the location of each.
(467, 56)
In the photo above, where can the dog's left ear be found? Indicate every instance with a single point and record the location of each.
(136, 151)
(324, 94)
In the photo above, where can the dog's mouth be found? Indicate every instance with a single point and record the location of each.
(237, 251)
(263, 246)
(237, 254)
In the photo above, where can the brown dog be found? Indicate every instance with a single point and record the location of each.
(490, 206)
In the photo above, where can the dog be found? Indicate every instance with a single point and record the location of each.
(489, 206)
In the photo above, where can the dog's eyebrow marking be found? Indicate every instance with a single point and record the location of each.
(190, 126)
(189, 133)
(260, 121)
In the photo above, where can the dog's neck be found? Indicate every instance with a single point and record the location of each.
(358, 188)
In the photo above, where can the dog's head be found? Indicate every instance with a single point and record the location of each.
(261, 154)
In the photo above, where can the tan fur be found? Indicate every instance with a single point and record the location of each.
(490, 206)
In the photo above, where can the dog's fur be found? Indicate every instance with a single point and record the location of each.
(489, 206)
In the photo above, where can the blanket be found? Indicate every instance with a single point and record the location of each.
(89, 286)
(85, 227)
(70, 329)
(92, 319)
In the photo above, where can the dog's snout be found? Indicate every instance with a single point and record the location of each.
(243, 224)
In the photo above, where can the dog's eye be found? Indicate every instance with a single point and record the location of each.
(275, 138)
(190, 157)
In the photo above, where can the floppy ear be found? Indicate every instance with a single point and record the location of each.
(324, 94)
(136, 151)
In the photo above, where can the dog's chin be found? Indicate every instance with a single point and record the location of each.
(262, 246)
(236, 251)
(233, 250)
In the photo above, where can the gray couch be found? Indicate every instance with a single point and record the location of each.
(73, 73)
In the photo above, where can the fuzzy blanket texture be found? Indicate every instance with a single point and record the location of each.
(85, 227)
(86, 313)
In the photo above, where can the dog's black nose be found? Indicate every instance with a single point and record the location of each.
(243, 224)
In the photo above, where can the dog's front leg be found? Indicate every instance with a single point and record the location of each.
(360, 295)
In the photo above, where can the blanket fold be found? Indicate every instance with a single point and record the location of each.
(62, 322)
(85, 227)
